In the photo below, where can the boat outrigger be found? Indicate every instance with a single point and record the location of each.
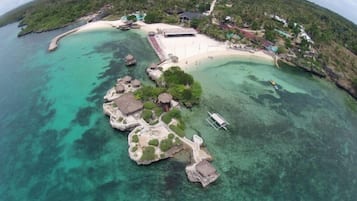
(217, 121)
(272, 82)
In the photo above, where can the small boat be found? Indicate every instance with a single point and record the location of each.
(135, 26)
(124, 27)
(273, 83)
(217, 121)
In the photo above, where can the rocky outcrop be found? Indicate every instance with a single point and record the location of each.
(347, 86)
(341, 81)
(330, 73)
(315, 71)
(202, 172)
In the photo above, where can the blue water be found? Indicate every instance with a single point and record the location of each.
(298, 143)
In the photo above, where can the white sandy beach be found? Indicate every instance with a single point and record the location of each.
(189, 50)
(100, 25)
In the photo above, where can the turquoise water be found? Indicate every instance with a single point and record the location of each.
(298, 143)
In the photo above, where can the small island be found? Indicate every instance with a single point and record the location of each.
(153, 117)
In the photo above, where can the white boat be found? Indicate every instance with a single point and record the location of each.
(272, 82)
(217, 121)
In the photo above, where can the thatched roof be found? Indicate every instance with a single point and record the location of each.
(136, 83)
(127, 104)
(191, 15)
(174, 59)
(165, 98)
(119, 88)
(153, 66)
(205, 168)
(129, 57)
(127, 79)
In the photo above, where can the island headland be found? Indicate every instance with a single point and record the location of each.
(157, 128)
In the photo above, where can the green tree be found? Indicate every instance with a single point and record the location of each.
(354, 83)
(147, 115)
(194, 23)
(255, 25)
(270, 35)
(148, 154)
(281, 50)
(132, 18)
(153, 16)
(288, 43)
(135, 138)
(154, 142)
(166, 144)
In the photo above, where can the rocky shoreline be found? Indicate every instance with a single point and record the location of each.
(329, 74)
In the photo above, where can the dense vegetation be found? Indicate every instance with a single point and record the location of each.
(179, 84)
(182, 86)
(151, 112)
(148, 93)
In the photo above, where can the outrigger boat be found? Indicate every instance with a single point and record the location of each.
(217, 121)
(272, 82)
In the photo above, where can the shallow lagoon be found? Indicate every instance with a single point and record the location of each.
(298, 143)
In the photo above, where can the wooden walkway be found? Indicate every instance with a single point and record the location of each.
(155, 45)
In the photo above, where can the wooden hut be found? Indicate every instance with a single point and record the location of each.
(127, 79)
(206, 169)
(164, 100)
(174, 59)
(119, 88)
(130, 60)
(153, 66)
(127, 104)
(136, 83)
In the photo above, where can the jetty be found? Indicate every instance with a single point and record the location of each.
(54, 42)
(217, 121)
(156, 46)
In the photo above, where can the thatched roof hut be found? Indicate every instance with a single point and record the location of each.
(165, 98)
(130, 60)
(129, 57)
(174, 59)
(136, 83)
(127, 104)
(206, 169)
(127, 79)
(119, 88)
(153, 66)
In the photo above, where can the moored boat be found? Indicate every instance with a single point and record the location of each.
(273, 83)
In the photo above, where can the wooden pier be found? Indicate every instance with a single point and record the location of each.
(156, 46)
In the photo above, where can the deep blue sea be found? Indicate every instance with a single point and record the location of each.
(297, 143)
